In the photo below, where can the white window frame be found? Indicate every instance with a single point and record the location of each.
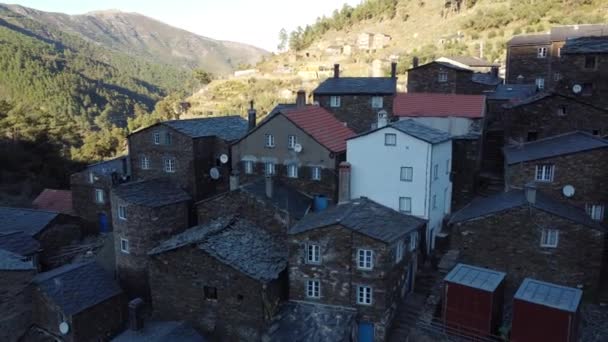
(387, 141)
(436, 172)
(442, 77)
(413, 241)
(122, 212)
(100, 196)
(596, 211)
(549, 238)
(540, 82)
(313, 288)
(377, 102)
(407, 202)
(335, 101)
(269, 140)
(292, 140)
(145, 163)
(364, 295)
(156, 138)
(91, 177)
(448, 166)
(315, 173)
(292, 170)
(435, 201)
(124, 246)
(541, 52)
(407, 174)
(269, 168)
(248, 167)
(313, 254)
(399, 251)
(559, 52)
(169, 165)
(545, 171)
(365, 259)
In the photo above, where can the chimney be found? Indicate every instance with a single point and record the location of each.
(234, 181)
(415, 62)
(393, 69)
(530, 191)
(336, 70)
(269, 186)
(301, 98)
(494, 71)
(136, 311)
(382, 118)
(251, 116)
(344, 180)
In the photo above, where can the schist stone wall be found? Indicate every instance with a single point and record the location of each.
(356, 110)
(466, 154)
(63, 231)
(510, 242)
(425, 79)
(524, 61)
(183, 279)
(15, 303)
(84, 201)
(594, 81)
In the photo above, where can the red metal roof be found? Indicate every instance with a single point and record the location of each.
(54, 200)
(322, 126)
(439, 105)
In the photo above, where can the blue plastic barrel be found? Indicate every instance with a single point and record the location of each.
(320, 203)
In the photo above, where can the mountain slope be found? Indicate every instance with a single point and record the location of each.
(145, 37)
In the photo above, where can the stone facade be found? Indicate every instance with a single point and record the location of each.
(356, 110)
(524, 60)
(592, 80)
(426, 79)
(15, 303)
(509, 241)
(63, 231)
(466, 154)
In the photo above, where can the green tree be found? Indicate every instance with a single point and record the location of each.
(283, 40)
(202, 76)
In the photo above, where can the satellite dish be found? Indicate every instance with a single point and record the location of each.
(568, 190)
(297, 148)
(224, 158)
(577, 88)
(214, 173)
(64, 328)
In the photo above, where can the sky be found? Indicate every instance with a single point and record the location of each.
(247, 21)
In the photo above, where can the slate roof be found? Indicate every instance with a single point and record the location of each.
(12, 262)
(281, 107)
(486, 78)
(512, 92)
(439, 105)
(151, 193)
(363, 216)
(476, 277)
(225, 127)
(445, 64)
(321, 125)
(548, 294)
(357, 85)
(107, 167)
(568, 143)
(310, 322)
(486, 206)
(530, 39)
(469, 61)
(421, 131)
(561, 33)
(76, 287)
(161, 331)
(54, 200)
(531, 99)
(237, 243)
(284, 197)
(28, 221)
(585, 45)
(19, 243)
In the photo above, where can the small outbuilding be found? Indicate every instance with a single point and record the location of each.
(473, 299)
(545, 312)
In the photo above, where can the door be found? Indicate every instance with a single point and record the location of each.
(366, 332)
(103, 223)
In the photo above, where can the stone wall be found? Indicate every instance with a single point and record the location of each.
(356, 110)
(524, 61)
(572, 70)
(15, 303)
(466, 154)
(425, 79)
(102, 321)
(83, 198)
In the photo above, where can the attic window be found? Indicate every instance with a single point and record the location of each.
(91, 177)
(210, 292)
(334, 101)
(443, 77)
(156, 138)
(542, 52)
(390, 139)
(561, 111)
(549, 238)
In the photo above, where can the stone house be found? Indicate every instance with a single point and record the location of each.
(226, 278)
(470, 62)
(416, 166)
(358, 254)
(16, 273)
(191, 153)
(357, 100)
(299, 146)
(91, 191)
(526, 233)
(571, 167)
(23, 245)
(144, 213)
(450, 77)
(79, 302)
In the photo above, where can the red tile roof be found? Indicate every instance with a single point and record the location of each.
(439, 105)
(54, 200)
(322, 126)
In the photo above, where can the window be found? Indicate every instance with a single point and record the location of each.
(590, 62)
(399, 251)
(559, 52)
(587, 89)
(145, 163)
(269, 168)
(248, 166)
(292, 171)
(313, 254)
(436, 172)
(124, 246)
(596, 211)
(549, 238)
(269, 140)
(390, 139)
(99, 196)
(170, 165)
(315, 173)
(434, 201)
(544, 173)
(413, 241)
(291, 142)
(561, 111)
(365, 259)
(540, 83)
(557, 76)
(405, 204)
(334, 101)
(447, 166)
(210, 292)
(364, 295)
(443, 77)
(168, 138)
(122, 212)
(532, 135)
(377, 102)
(407, 173)
(156, 138)
(541, 52)
(313, 289)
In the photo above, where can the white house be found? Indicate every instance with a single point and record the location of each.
(406, 166)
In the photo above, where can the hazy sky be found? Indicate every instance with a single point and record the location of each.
(248, 21)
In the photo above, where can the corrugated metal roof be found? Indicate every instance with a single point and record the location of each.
(476, 277)
(548, 294)
(357, 85)
(321, 125)
(439, 105)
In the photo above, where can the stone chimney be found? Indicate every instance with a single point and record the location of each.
(382, 118)
(494, 71)
(336, 70)
(301, 98)
(394, 69)
(344, 180)
(251, 116)
(269, 186)
(234, 181)
(415, 62)
(530, 191)
(136, 312)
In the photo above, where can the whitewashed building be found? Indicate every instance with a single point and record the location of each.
(406, 166)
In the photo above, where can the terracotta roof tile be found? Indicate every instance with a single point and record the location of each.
(439, 105)
(54, 200)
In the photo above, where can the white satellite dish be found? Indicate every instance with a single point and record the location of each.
(64, 328)
(568, 190)
(214, 173)
(577, 88)
(224, 158)
(297, 148)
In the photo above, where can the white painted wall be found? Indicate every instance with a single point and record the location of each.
(440, 187)
(453, 125)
